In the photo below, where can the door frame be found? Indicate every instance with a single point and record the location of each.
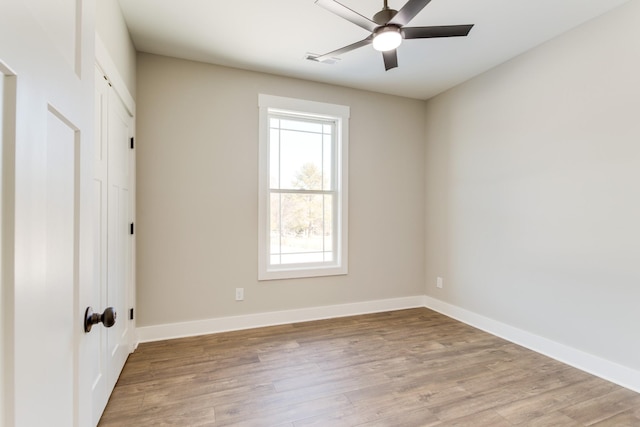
(7, 205)
(104, 61)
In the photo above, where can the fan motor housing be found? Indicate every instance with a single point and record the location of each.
(384, 16)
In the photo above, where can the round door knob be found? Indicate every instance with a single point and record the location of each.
(107, 318)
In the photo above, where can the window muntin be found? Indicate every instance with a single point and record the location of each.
(302, 189)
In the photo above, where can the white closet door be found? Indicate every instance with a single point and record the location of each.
(113, 241)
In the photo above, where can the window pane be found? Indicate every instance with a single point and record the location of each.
(275, 237)
(300, 228)
(302, 221)
(300, 244)
(328, 257)
(302, 258)
(327, 163)
(300, 160)
(301, 125)
(274, 159)
(328, 231)
(329, 238)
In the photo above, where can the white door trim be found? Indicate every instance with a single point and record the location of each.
(7, 199)
(108, 67)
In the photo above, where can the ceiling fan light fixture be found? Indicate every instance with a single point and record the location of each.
(387, 38)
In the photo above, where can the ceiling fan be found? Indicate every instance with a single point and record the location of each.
(388, 29)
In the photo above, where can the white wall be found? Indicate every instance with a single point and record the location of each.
(533, 190)
(197, 203)
(112, 30)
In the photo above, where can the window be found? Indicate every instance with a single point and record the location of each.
(303, 188)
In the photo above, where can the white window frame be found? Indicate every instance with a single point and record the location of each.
(303, 108)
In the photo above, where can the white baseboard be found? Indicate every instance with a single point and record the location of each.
(610, 371)
(236, 323)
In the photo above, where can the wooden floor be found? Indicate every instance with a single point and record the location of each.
(403, 368)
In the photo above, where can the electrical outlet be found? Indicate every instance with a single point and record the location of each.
(239, 294)
(439, 282)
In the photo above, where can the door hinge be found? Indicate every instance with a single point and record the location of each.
(131, 314)
(131, 229)
(132, 143)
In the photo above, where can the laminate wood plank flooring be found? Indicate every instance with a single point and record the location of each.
(402, 368)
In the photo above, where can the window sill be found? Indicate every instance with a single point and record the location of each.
(300, 273)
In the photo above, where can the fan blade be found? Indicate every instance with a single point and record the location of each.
(408, 12)
(348, 14)
(345, 49)
(436, 31)
(390, 59)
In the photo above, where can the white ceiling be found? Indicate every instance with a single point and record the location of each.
(274, 36)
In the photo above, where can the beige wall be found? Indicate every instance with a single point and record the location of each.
(113, 32)
(197, 194)
(533, 190)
